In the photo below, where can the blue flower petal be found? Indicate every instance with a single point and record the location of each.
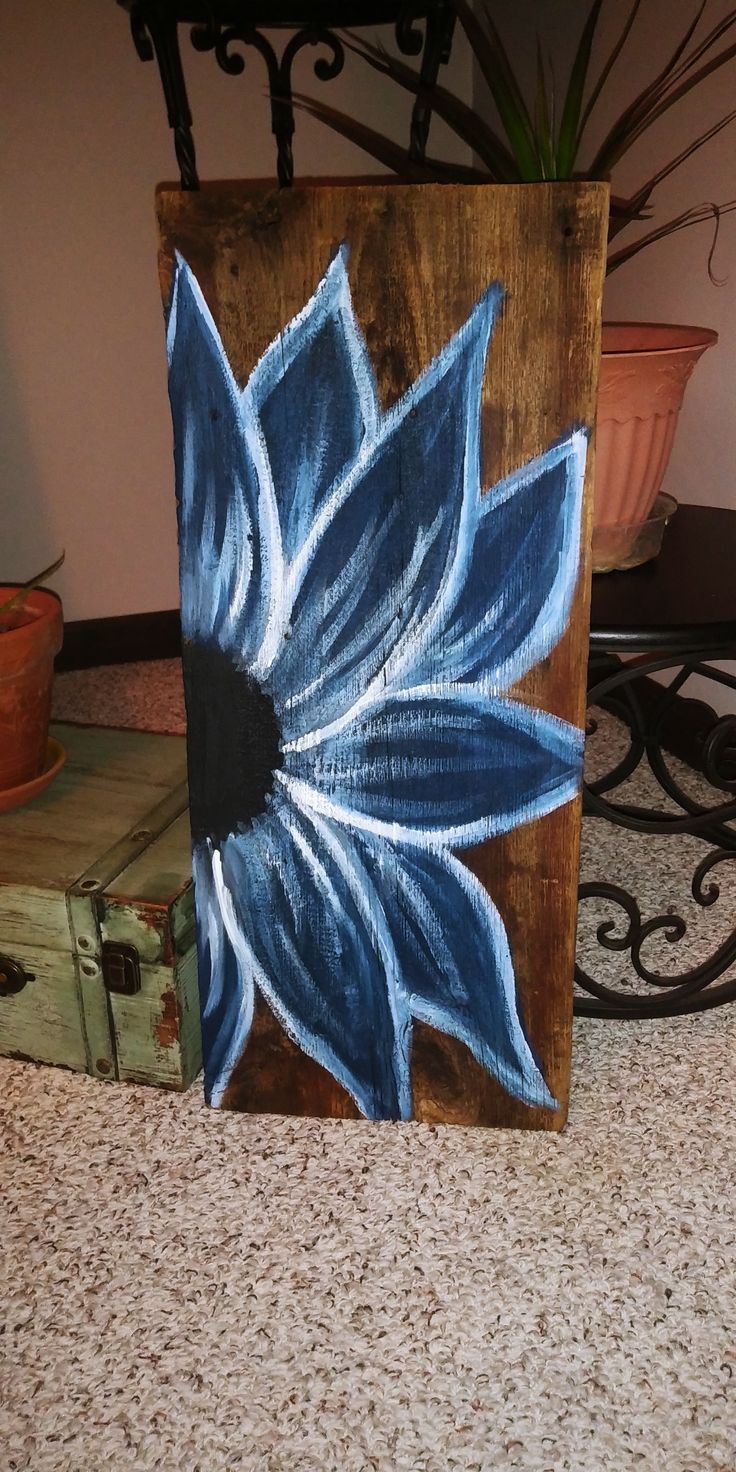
(315, 394)
(438, 766)
(225, 972)
(515, 602)
(454, 960)
(323, 956)
(230, 543)
(373, 580)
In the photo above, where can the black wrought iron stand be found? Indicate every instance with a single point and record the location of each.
(679, 614)
(224, 27)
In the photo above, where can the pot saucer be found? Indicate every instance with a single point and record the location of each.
(17, 797)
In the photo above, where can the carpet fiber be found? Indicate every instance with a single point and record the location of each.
(199, 1292)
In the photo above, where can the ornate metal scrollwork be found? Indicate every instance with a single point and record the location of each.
(155, 33)
(687, 991)
(434, 47)
(154, 28)
(214, 36)
(690, 990)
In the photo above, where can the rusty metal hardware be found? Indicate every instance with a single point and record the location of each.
(13, 977)
(121, 968)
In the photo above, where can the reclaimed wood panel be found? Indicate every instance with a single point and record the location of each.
(420, 260)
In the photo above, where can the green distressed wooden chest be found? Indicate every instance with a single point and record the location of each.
(98, 965)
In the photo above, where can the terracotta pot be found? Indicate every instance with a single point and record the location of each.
(645, 368)
(27, 651)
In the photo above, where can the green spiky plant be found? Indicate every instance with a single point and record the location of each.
(532, 144)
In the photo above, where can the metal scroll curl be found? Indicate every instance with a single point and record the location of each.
(422, 27)
(213, 36)
(615, 687)
(687, 991)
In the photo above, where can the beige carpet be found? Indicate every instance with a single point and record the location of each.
(200, 1292)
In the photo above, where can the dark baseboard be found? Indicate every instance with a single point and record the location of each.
(133, 636)
(140, 636)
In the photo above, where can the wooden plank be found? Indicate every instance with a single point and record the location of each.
(157, 1034)
(421, 258)
(110, 781)
(150, 903)
(27, 910)
(44, 1021)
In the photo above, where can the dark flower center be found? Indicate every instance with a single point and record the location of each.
(233, 742)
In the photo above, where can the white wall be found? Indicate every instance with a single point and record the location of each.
(85, 436)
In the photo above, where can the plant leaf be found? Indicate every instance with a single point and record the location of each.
(644, 99)
(656, 99)
(641, 197)
(462, 119)
(542, 124)
(608, 66)
(34, 582)
(672, 97)
(704, 46)
(696, 216)
(388, 153)
(567, 143)
(622, 212)
(512, 110)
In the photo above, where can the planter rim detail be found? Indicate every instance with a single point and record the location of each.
(624, 339)
(42, 603)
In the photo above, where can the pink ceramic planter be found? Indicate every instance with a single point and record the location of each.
(645, 368)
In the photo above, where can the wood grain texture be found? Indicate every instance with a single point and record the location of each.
(420, 258)
(105, 815)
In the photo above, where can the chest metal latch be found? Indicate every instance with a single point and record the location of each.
(121, 968)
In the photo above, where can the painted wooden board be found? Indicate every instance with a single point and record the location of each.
(382, 398)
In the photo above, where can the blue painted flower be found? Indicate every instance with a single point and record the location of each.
(353, 611)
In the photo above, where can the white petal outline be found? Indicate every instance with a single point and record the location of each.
(370, 628)
(331, 298)
(247, 968)
(486, 309)
(529, 719)
(208, 921)
(554, 614)
(269, 526)
(372, 916)
(362, 892)
(442, 1018)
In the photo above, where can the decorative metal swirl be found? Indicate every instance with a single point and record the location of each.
(617, 692)
(155, 33)
(154, 29)
(409, 37)
(212, 36)
(719, 748)
(434, 47)
(614, 686)
(141, 38)
(688, 991)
